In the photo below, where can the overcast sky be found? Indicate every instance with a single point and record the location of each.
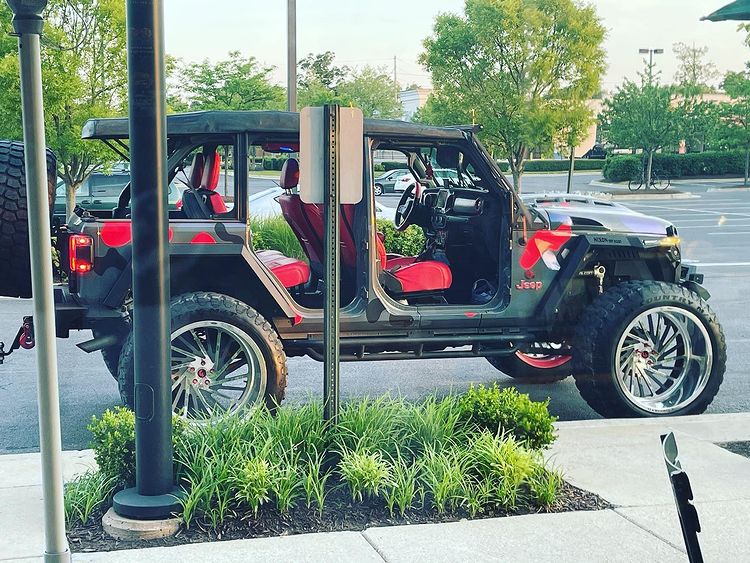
(373, 32)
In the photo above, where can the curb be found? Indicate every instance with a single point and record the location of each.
(639, 195)
(731, 189)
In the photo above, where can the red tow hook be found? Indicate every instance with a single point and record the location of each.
(24, 339)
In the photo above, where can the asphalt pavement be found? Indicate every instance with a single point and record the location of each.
(715, 229)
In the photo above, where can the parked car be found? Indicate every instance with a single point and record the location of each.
(101, 192)
(385, 182)
(265, 204)
(407, 180)
(597, 151)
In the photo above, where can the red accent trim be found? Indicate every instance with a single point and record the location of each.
(116, 233)
(543, 362)
(297, 319)
(542, 241)
(203, 238)
(470, 314)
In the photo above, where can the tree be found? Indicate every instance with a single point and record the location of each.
(235, 83)
(736, 114)
(694, 72)
(518, 67)
(642, 116)
(84, 75)
(370, 89)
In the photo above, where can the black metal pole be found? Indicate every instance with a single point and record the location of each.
(332, 277)
(154, 495)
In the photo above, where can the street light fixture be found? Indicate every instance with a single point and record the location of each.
(651, 53)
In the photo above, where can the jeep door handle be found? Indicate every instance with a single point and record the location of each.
(85, 202)
(97, 201)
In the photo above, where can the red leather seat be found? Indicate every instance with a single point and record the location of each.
(307, 221)
(413, 276)
(210, 181)
(290, 271)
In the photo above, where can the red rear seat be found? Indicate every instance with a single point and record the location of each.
(290, 271)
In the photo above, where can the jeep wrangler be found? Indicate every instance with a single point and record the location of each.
(557, 288)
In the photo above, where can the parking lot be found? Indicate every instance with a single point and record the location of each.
(715, 229)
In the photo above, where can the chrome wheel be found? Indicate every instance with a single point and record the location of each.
(663, 359)
(215, 366)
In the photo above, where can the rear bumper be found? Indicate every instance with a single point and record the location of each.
(69, 313)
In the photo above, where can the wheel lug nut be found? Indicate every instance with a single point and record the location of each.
(195, 382)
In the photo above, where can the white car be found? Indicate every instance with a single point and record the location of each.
(264, 204)
(407, 180)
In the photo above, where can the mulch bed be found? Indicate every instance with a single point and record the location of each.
(740, 448)
(340, 514)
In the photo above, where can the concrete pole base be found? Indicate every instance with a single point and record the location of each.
(127, 529)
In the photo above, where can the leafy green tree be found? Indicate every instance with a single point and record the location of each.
(694, 72)
(736, 114)
(235, 83)
(84, 75)
(642, 116)
(371, 89)
(519, 67)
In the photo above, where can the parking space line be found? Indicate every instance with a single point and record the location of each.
(717, 264)
(731, 233)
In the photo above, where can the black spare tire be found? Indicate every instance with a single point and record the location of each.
(15, 265)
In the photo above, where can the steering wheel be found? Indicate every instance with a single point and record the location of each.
(405, 208)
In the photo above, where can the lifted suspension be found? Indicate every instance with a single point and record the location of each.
(24, 339)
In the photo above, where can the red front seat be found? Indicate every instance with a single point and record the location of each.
(290, 271)
(403, 276)
(210, 181)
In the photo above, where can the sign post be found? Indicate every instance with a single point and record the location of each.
(155, 495)
(28, 24)
(331, 176)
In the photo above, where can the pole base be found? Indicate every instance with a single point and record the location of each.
(131, 504)
(128, 529)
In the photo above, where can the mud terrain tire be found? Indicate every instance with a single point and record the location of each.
(206, 306)
(607, 320)
(15, 265)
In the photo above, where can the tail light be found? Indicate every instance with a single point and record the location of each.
(80, 253)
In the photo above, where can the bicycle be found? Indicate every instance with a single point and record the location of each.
(657, 182)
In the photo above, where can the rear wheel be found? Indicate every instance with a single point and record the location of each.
(649, 348)
(224, 357)
(378, 189)
(15, 265)
(543, 362)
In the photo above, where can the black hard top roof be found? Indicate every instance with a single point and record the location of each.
(209, 122)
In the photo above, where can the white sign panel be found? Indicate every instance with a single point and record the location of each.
(349, 157)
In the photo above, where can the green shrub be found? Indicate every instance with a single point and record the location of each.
(435, 424)
(555, 165)
(509, 411)
(378, 168)
(84, 494)
(444, 473)
(370, 426)
(365, 473)
(403, 488)
(254, 483)
(621, 168)
(113, 442)
(274, 233)
(389, 165)
(409, 242)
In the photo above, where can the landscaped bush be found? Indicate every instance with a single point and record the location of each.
(386, 452)
(274, 233)
(555, 165)
(409, 242)
(508, 411)
(389, 165)
(621, 168)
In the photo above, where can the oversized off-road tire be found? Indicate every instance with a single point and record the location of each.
(15, 280)
(648, 348)
(534, 365)
(111, 354)
(225, 356)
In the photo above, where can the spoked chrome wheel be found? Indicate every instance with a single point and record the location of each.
(215, 366)
(663, 359)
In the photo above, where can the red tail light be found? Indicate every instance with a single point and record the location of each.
(81, 253)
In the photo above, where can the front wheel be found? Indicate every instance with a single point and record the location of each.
(635, 185)
(224, 357)
(648, 348)
(378, 189)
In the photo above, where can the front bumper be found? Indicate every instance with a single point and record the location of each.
(691, 279)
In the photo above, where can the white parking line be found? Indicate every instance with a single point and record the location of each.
(717, 264)
(731, 233)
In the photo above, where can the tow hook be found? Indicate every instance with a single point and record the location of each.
(24, 339)
(597, 272)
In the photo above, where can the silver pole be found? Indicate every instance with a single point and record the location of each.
(291, 55)
(50, 444)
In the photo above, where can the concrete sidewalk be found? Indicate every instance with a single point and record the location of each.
(620, 460)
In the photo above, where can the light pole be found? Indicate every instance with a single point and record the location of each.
(291, 55)
(28, 24)
(651, 53)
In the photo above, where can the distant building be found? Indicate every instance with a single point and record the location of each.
(412, 100)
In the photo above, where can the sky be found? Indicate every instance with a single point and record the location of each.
(373, 32)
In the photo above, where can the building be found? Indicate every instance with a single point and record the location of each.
(412, 100)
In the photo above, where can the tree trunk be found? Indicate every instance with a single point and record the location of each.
(571, 169)
(70, 198)
(517, 180)
(649, 165)
(747, 164)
